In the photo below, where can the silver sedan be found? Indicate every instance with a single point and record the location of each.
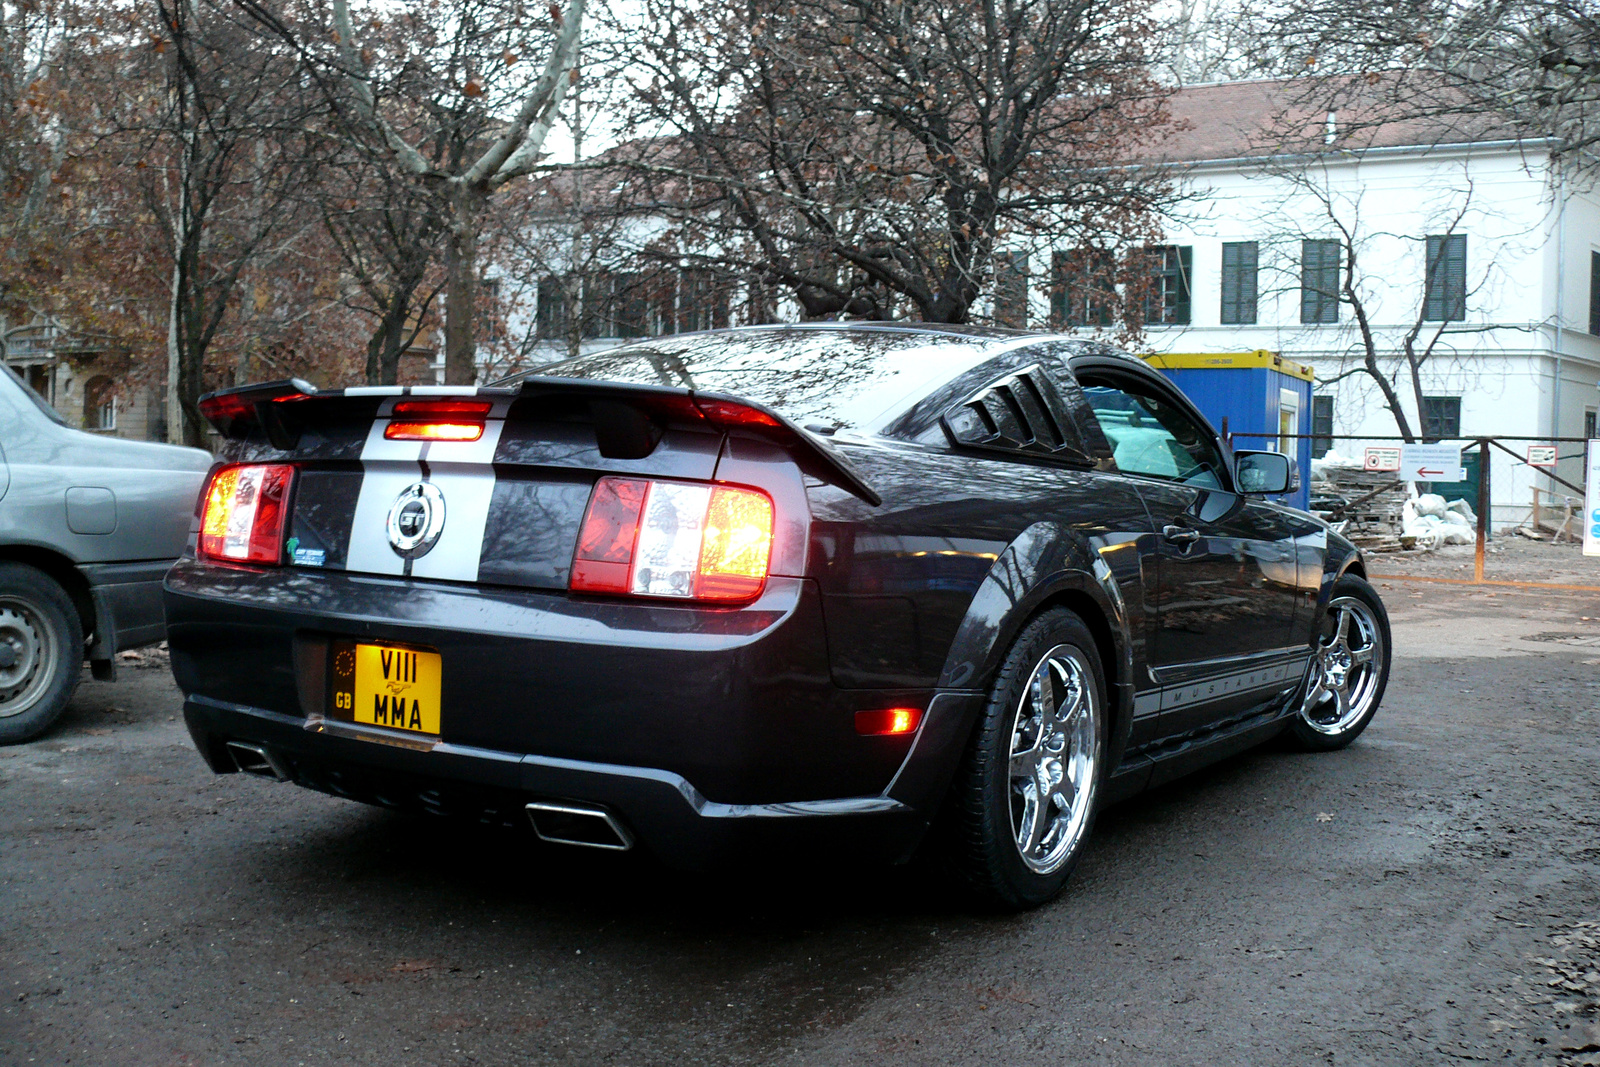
(88, 527)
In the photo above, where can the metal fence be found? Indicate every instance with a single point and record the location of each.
(1483, 446)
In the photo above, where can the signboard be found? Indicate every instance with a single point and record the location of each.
(1382, 459)
(1591, 500)
(1541, 455)
(1431, 463)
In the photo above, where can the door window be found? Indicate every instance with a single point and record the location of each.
(1151, 436)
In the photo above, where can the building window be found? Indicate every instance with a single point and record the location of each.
(702, 301)
(1321, 425)
(552, 308)
(1083, 288)
(1441, 417)
(1239, 282)
(1446, 287)
(1588, 424)
(1011, 289)
(1166, 302)
(1319, 281)
(1594, 293)
(100, 404)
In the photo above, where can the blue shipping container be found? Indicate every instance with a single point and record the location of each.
(1261, 397)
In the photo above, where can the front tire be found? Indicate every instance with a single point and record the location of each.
(1348, 672)
(1025, 797)
(41, 652)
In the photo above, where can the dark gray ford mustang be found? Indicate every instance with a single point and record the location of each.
(846, 587)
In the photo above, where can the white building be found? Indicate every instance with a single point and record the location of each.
(1510, 307)
(1506, 319)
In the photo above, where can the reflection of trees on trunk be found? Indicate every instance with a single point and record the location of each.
(842, 378)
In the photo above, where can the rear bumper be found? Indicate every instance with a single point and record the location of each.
(664, 811)
(705, 732)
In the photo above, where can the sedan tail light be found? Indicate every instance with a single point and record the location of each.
(245, 509)
(673, 539)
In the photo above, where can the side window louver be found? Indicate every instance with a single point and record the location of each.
(1018, 413)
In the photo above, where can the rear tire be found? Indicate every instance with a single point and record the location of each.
(1024, 799)
(1348, 672)
(41, 652)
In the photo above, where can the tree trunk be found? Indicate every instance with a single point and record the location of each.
(461, 288)
(387, 342)
(174, 404)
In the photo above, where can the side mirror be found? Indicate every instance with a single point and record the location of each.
(1267, 473)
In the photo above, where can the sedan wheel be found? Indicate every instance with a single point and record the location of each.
(1023, 802)
(1349, 669)
(1053, 755)
(41, 651)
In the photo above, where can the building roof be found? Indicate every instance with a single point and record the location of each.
(1231, 120)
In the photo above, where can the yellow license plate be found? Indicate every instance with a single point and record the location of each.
(385, 685)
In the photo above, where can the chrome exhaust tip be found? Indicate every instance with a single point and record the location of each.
(584, 825)
(256, 760)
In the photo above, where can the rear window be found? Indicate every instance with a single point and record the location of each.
(850, 380)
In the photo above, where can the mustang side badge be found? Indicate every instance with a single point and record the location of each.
(416, 519)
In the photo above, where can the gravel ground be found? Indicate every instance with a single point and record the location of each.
(1507, 558)
(1430, 895)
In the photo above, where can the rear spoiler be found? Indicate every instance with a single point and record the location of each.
(627, 417)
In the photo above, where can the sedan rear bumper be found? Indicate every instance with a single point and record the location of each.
(662, 810)
(704, 732)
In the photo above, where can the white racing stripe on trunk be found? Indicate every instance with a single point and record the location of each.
(468, 489)
(463, 471)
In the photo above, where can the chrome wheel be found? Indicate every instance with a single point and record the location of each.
(1054, 751)
(29, 649)
(1345, 676)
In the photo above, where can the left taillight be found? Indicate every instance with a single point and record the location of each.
(245, 510)
(689, 540)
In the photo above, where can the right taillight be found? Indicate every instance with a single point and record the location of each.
(673, 539)
(244, 514)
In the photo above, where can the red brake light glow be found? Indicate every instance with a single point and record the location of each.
(605, 544)
(437, 420)
(887, 721)
(433, 431)
(674, 539)
(245, 510)
(731, 413)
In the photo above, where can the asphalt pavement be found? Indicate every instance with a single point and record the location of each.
(1430, 895)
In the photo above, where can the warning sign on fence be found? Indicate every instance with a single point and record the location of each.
(1541, 455)
(1382, 459)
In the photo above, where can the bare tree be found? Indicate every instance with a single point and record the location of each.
(227, 143)
(1336, 280)
(386, 230)
(1496, 67)
(869, 156)
(423, 93)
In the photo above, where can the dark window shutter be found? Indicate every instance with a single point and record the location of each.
(1319, 281)
(1011, 289)
(1445, 294)
(1239, 280)
(1060, 266)
(1594, 293)
(1321, 425)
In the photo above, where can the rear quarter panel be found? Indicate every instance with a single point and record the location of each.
(929, 589)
